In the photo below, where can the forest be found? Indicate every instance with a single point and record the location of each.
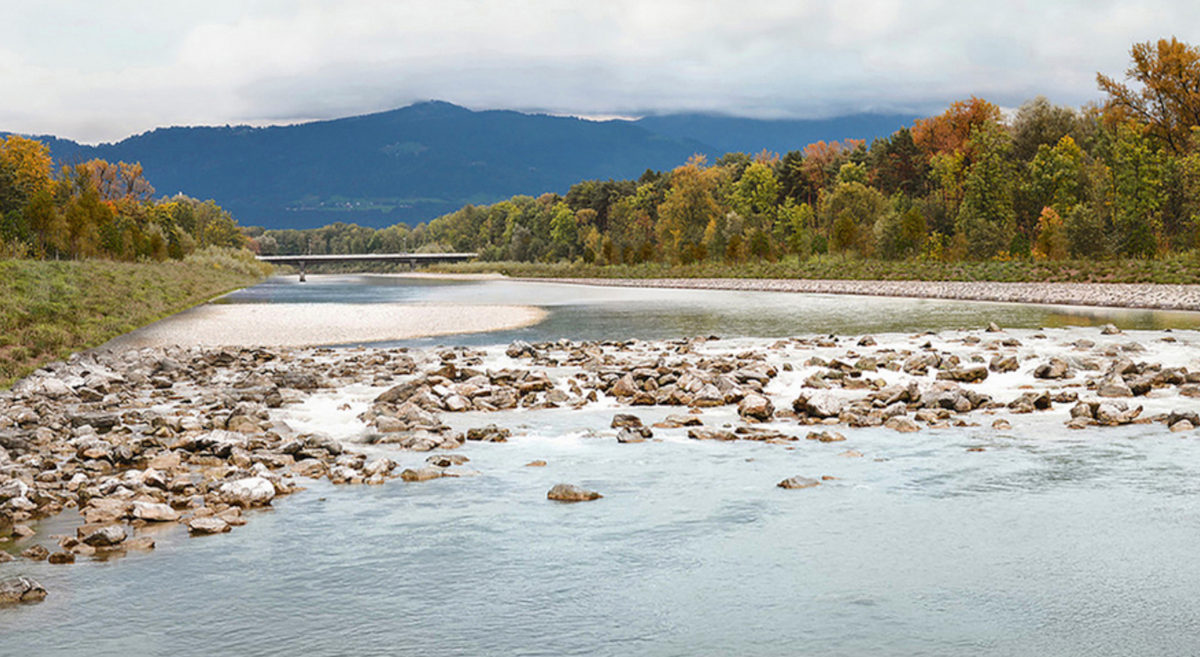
(98, 209)
(1113, 180)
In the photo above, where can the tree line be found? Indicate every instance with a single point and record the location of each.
(1116, 179)
(98, 209)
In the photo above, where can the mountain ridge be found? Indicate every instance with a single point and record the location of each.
(416, 162)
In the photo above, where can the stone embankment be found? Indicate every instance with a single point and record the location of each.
(1115, 295)
(195, 436)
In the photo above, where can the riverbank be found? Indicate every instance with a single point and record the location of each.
(1175, 270)
(316, 324)
(49, 309)
(1113, 295)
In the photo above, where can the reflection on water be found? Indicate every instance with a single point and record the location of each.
(593, 313)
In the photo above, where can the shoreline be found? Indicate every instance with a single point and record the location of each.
(1147, 296)
(299, 325)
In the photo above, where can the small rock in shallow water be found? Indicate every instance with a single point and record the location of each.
(21, 589)
(251, 491)
(621, 420)
(1182, 425)
(901, 424)
(798, 482)
(571, 493)
(207, 525)
(421, 474)
(634, 434)
(536, 464)
(62, 557)
(36, 552)
(105, 536)
(826, 436)
(1000, 424)
(155, 512)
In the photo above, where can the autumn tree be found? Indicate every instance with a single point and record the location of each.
(950, 131)
(687, 211)
(1166, 95)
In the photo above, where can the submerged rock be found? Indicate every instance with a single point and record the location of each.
(571, 493)
(798, 482)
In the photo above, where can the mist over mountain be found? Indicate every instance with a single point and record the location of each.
(417, 162)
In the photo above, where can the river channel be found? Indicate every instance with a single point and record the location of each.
(1048, 542)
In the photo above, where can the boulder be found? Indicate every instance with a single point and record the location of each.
(15, 590)
(818, 404)
(571, 493)
(1113, 386)
(825, 436)
(103, 536)
(1055, 368)
(207, 525)
(795, 483)
(711, 434)
(901, 424)
(676, 421)
(489, 434)
(621, 420)
(756, 407)
(35, 552)
(971, 374)
(61, 557)
(1001, 363)
(248, 492)
(634, 434)
(520, 348)
(154, 512)
(421, 474)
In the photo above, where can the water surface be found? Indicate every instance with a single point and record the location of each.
(1049, 542)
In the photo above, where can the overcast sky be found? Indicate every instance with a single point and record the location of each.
(105, 69)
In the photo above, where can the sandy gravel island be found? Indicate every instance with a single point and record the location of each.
(1117, 295)
(316, 324)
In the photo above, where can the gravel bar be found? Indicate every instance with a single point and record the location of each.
(1118, 295)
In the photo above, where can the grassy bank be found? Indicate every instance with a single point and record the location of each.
(1175, 270)
(50, 309)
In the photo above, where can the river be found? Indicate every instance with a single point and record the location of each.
(1048, 543)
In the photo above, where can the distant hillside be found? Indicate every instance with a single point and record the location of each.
(427, 159)
(727, 134)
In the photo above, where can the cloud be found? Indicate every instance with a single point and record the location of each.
(95, 73)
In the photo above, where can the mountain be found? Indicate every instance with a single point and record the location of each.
(417, 162)
(728, 134)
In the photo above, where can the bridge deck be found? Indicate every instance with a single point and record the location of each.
(369, 257)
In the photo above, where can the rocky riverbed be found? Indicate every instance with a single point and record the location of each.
(201, 436)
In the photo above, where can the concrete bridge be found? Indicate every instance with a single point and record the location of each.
(413, 259)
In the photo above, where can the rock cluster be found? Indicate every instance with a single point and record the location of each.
(194, 435)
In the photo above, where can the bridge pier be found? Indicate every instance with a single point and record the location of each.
(301, 271)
